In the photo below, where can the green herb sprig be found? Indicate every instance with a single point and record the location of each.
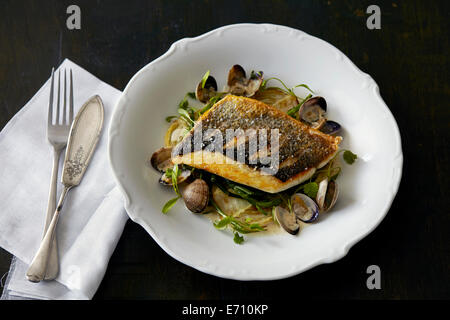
(235, 224)
(293, 112)
(173, 174)
(285, 88)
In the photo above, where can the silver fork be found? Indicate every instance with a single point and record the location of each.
(57, 133)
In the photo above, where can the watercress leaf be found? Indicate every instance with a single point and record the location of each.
(183, 104)
(349, 157)
(191, 95)
(169, 204)
(311, 189)
(238, 239)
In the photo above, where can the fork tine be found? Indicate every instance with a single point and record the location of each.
(64, 110)
(71, 99)
(65, 93)
(58, 102)
(50, 104)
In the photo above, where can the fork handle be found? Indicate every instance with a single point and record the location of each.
(53, 264)
(38, 266)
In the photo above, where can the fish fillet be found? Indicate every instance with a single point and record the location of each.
(301, 149)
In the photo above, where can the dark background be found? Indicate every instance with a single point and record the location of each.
(407, 58)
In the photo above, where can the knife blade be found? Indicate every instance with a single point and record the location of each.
(83, 138)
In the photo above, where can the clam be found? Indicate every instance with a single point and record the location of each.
(304, 208)
(327, 194)
(312, 112)
(161, 160)
(206, 92)
(196, 196)
(330, 127)
(238, 84)
(287, 220)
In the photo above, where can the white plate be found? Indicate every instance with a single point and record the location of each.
(367, 187)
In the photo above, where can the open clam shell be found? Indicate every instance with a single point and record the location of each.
(287, 220)
(206, 92)
(304, 208)
(330, 127)
(161, 160)
(312, 112)
(238, 84)
(327, 194)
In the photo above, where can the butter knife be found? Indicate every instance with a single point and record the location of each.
(83, 138)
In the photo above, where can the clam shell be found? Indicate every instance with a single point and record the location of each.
(327, 194)
(238, 84)
(304, 208)
(161, 159)
(330, 127)
(312, 112)
(287, 220)
(203, 94)
(196, 196)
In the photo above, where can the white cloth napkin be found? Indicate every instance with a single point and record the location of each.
(93, 216)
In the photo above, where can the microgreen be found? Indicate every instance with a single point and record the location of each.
(286, 88)
(238, 239)
(186, 117)
(170, 118)
(234, 223)
(205, 77)
(191, 95)
(210, 103)
(294, 110)
(175, 174)
(169, 204)
(349, 157)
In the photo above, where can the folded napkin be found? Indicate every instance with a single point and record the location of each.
(93, 216)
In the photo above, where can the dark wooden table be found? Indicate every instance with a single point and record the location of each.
(408, 58)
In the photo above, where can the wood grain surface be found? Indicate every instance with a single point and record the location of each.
(408, 58)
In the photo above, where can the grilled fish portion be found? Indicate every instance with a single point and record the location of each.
(298, 149)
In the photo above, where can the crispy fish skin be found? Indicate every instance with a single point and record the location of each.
(301, 149)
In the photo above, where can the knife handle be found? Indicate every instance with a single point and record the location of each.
(38, 266)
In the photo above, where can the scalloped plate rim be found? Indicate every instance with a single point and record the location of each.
(336, 254)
